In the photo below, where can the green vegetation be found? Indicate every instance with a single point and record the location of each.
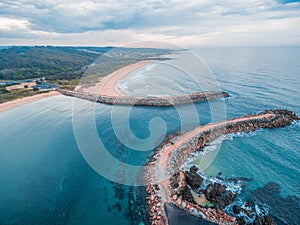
(66, 84)
(65, 66)
(63, 63)
(19, 63)
(6, 95)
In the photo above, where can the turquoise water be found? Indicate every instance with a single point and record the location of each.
(262, 78)
(44, 178)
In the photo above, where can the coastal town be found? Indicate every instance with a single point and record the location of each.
(39, 84)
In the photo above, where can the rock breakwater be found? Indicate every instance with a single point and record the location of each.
(167, 184)
(148, 101)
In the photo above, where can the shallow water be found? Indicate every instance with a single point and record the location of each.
(44, 178)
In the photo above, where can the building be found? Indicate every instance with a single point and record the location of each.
(44, 86)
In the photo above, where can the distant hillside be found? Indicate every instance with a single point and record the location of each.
(61, 63)
(51, 62)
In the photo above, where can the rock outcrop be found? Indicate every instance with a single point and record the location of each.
(193, 179)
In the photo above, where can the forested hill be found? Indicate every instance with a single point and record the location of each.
(17, 63)
(64, 63)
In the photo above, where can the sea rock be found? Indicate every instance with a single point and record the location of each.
(268, 220)
(186, 195)
(174, 181)
(258, 221)
(194, 169)
(218, 202)
(240, 221)
(193, 179)
(229, 198)
(236, 209)
(213, 190)
(209, 189)
(219, 189)
(285, 207)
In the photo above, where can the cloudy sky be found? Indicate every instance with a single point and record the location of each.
(120, 22)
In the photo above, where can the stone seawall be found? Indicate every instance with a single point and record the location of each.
(148, 101)
(177, 149)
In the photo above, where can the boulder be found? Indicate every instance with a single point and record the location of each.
(229, 198)
(258, 221)
(186, 195)
(193, 179)
(236, 209)
(174, 181)
(219, 189)
(215, 193)
(219, 202)
(214, 190)
(268, 220)
(194, 169)
(209, 189)
(240, 221)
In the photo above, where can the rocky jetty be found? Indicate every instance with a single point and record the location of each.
(148, 101)
(180, 187)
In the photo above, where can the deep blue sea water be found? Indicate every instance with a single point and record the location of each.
(44, 178)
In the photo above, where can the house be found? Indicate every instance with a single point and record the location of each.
(44, 86)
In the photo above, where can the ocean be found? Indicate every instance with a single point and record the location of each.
(46, 147)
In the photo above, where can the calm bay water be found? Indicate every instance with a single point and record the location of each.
(45, 180)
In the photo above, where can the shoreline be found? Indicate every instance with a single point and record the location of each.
(107, 86)
(21, 101)
(162, 171)
(107, 91)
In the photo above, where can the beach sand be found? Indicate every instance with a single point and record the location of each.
(108, 85)
(8, 105)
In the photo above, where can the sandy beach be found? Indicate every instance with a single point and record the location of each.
(107, 86)
(8, 105)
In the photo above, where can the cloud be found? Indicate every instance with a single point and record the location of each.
(58, 21)
(11, 24)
